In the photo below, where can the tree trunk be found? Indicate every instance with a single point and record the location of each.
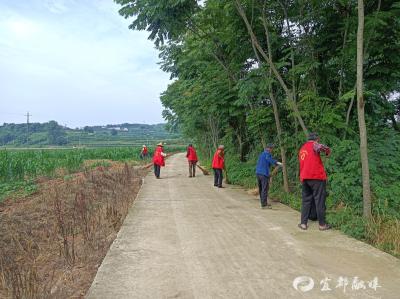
(361, 115)
(276, 112)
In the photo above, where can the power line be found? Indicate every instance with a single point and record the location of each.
(27, 126)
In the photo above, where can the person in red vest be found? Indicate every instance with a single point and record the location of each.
(144, 153)
(192, 159)
(218, 164)
(313, 178)
(158, 159)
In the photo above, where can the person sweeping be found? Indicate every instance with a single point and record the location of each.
(313, 178)
(144, 152)
(218, 165)
(264, 162)
(159, 159)
(192, 160)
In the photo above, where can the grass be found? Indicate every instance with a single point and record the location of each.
(19, 169)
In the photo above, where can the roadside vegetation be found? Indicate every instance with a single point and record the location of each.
(22, 170)
(54, 134)
(251, 72)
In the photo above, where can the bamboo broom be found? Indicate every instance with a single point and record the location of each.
(203, 170)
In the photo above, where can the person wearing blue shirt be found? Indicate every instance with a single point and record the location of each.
(265, 161)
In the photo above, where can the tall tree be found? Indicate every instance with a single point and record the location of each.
(361, 113)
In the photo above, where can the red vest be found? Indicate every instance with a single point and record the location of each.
(218, 160)
(158, 158)
(191, 154)
(311, 167)
(144, 150)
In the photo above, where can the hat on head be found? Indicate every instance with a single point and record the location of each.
(221, 146)
(313, 136)
(160, 144)
(270, 145)
(144, 145)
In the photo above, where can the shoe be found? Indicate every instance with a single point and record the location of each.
(302, 226)
(221, 187)
(266, 207)
(325, 227)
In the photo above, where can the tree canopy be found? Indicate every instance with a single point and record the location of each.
(247, 72)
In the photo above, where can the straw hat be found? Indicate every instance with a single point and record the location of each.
(160, 144)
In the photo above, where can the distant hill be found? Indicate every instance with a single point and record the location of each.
(53, 134)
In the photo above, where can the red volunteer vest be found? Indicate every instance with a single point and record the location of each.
(144, 151)
(311, 167)
(158, 159)
(192, 156)
(218, 161)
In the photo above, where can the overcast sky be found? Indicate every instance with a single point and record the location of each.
(76, 62)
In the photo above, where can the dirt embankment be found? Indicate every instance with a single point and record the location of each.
(53, 242)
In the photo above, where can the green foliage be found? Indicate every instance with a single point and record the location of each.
(225, 90)
(17, 188)
(43, 135)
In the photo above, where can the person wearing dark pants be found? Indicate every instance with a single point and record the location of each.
(218, 177)
(263, 186)
(264, 162)
(218, 164)
(313, 192)
(157, 170)
(158, 159)
(191, 155)
(313, 178)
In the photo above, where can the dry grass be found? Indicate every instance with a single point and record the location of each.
(52, 243)
(384, 233)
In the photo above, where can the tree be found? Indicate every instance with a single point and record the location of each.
(361, 113)
(55, 133)
(247, 71)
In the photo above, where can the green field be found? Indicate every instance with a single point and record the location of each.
(41, 135)
(20, 168)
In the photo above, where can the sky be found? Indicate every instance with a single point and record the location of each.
(76, 62)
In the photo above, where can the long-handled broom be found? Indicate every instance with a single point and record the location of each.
(226, 177)
(203, 170)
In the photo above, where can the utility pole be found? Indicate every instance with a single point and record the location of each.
(27, 126)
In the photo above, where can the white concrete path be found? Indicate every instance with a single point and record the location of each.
(184, 238)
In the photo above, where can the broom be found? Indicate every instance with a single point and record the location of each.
(147, 166)
(203, 170)
(226, 177)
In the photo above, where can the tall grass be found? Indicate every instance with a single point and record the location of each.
(26, 164)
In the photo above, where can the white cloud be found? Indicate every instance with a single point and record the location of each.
(84, 57)
(57, 6)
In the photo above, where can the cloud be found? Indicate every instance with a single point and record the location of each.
(68, 54)
(57, 6)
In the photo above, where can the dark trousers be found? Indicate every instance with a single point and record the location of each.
(263, 186)
(192, 168)
(218, 177)
(313, 191)
(157, 170)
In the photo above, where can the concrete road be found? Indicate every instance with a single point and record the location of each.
(184, 238)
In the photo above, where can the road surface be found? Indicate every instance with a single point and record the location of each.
(184, 238)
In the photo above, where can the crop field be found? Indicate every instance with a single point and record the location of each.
(20, 168)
